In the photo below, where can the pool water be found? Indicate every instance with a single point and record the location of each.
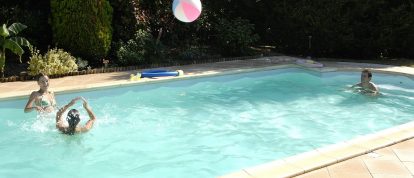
(202, 127)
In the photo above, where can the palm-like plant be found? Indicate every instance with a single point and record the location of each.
(9, 40)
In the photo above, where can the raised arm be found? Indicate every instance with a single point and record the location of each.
(92, 117)
(59, 123)
(29, 106)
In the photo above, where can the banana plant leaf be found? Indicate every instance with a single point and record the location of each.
(20, 41)
(4, 32)
(13, 46)
(15, 28)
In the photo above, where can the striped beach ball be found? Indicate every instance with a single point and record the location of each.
(186, 10)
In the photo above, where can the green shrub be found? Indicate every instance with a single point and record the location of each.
(155, 52)
(82, 64)
(188, 54)
(83, 27)
(55, 61)
(133, 51)
(142, 49)
(234, 37)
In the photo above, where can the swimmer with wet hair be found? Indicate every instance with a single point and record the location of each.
(73, 118)
(366, 85)
(42, 100)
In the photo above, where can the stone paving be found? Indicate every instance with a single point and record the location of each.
(396, 160)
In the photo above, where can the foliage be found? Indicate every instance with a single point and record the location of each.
(157, 18)
(155, 52)
(189, 54)
(34, 14)
(82, 64)
(133, 51)
(141, 49)
(339, 28)
(83, 27)
(124, 22)
(235, 36)
(55, 61)
(9, 40)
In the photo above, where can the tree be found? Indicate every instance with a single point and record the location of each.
(82, 27)
(10, 41)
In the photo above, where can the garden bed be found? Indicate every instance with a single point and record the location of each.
(23, 76)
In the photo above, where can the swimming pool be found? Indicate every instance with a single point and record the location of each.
(201, 127)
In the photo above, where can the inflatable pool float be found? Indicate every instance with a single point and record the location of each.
(308, 63)
(160, 73)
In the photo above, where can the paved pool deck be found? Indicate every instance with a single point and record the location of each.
(389, 153)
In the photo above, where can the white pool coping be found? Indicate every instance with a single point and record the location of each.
(328, 155)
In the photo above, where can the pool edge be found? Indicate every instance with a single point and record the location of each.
(144, 81)
(329, 155)
(126, 83)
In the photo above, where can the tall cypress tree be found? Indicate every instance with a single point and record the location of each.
(82, 27)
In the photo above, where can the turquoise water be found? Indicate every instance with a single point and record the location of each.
(202, 127)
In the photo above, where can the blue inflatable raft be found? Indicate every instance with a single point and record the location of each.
(160, 73)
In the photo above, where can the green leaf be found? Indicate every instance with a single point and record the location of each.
(2, 60)
(15, 28)
(14, 47)
(4, 32)
(20, 41)
(2, 42)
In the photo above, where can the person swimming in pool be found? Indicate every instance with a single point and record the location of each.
(73, 118)
(42, 100)
(366, 85)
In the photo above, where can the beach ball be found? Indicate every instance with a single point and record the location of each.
(186, 10)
